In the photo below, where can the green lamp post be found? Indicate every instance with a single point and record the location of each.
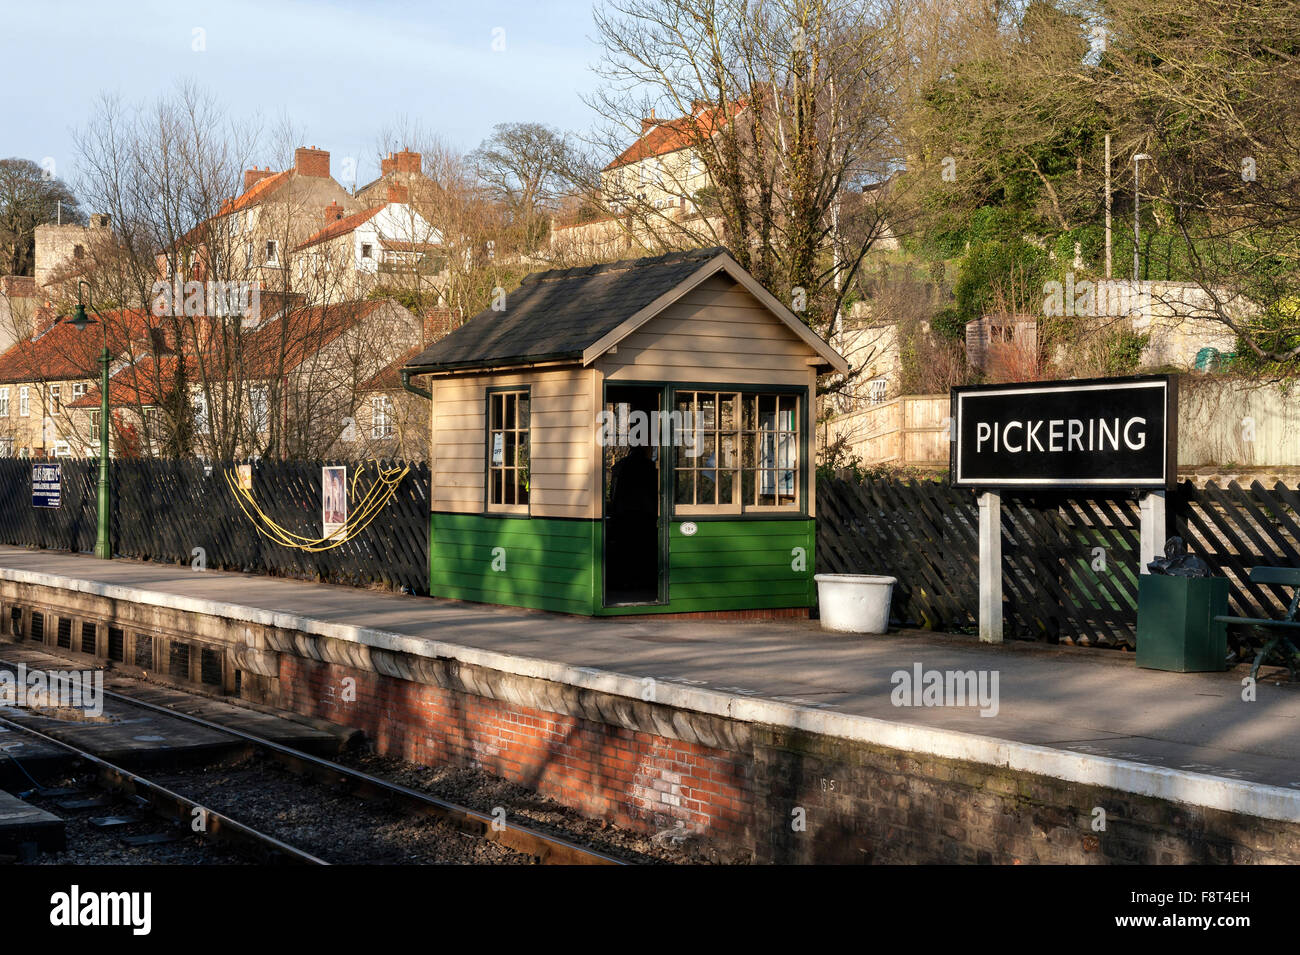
(103, 545)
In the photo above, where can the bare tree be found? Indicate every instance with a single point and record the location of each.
(789, 106)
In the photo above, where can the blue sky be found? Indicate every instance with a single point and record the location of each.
(340, 70)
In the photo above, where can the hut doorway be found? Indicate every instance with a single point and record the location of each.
(634, 504)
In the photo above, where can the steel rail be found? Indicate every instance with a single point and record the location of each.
(217, 827)
(547, 849)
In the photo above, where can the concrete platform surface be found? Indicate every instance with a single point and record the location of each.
(21, 823)
(1057, 706)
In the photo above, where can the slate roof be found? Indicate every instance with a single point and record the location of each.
(555, 315)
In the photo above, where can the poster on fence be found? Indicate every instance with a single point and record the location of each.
(47, 485)
(334, 499)
(244, 476)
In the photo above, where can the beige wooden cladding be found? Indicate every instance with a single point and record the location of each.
(560, 441)
(908, 431)
(715, 333)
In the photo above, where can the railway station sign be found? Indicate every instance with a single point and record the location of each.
(47, 485)
(1100, 432)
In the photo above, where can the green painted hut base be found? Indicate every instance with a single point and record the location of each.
(555, 564)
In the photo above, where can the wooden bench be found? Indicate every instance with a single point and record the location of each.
(1279, 631)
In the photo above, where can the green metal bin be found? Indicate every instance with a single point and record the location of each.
(1175, 625)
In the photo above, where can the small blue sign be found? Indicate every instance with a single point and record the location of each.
(47, 485)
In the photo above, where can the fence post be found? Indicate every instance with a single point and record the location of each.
(1154, 528)
(990, 506)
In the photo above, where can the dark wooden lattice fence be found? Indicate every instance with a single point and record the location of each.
(1070, 562)
(163, 510)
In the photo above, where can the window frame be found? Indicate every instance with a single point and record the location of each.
(505, 510)
(381, 411)
(742, 511)
(272, 252)
(24, 401)
(4, 401)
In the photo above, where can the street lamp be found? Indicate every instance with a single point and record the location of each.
(79, 320)
(1136, 200)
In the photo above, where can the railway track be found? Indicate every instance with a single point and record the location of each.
(171, 806)
(221, 827)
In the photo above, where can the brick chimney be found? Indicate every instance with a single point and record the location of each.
(333, 212)
(397, 192)
(313, 162)
(43, 319)
(408, 161)
(253, 176)
(648, 123)
(405, 161)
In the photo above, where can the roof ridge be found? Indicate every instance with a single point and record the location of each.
(623, 265)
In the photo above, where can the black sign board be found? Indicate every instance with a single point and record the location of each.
(1099, 432)
(47, 485)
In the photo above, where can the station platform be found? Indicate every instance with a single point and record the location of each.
(1086, 717)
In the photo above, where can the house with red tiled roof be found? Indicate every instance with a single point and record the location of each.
(252, 235)
(390, 245)
(43, 375)
(650, 191)
(292, 385)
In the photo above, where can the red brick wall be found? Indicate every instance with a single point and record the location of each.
(631, 778)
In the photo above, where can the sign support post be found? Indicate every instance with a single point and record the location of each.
(1153, 526)
(990, 504)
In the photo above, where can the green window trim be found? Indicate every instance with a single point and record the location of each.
(507, 477)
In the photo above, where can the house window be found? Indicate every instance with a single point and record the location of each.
(6, 447)
(24, 402)
(55, 395)
(4, 402)
(735, 452)
(367, 250)
(879, 389)
(272, 252)
(258, 408)
(381, 417)
(78, 389)
(62, 449)
(248, 252)
(199, 402)
(508, 460)
(94, 425)
(78, 252)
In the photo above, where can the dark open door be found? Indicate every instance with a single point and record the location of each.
(633, 510)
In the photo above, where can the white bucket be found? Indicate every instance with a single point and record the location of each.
(854, 603)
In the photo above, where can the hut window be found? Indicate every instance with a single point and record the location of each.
(508, 453)
(736, 452)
